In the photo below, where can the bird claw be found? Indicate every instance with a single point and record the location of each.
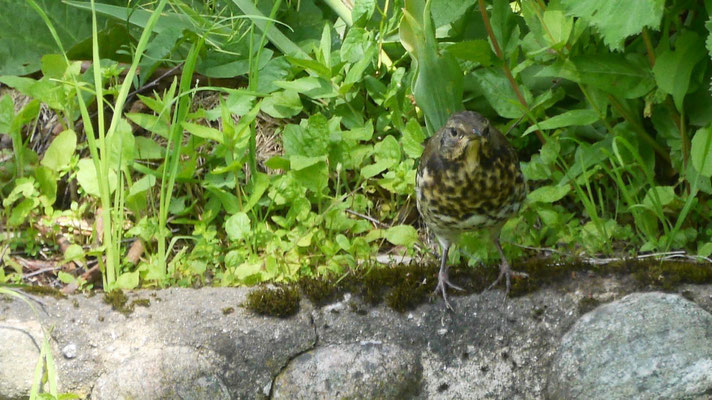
(443, 283)
(506, 272)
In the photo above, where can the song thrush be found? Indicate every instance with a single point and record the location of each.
(468, 179)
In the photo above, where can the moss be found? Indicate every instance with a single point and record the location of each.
(44, 291)
(141, 303)
(281, 301)
(228, 310)
(587, 304)
(118, 301)
(320, 290)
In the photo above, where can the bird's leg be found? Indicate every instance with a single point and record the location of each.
(443, 280)
(505, 271)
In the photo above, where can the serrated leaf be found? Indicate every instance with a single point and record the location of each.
(568, 118)
(447, 11)
(701, 151)
(402, 235)
(362, 11)
(615, 19)
(60, 151)
(549, 194)
(499, 93)
(311, 139)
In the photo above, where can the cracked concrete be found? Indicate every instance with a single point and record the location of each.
(201, 344)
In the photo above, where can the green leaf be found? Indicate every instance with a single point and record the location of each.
(310, 139)
(148, 149)
(150, 123)
(558, 28)
(413, 138)
(615, 19)
(238, 226)
(362, 11)
(478, 51)
(24, 37)
(86, 176)
(701, 151)
(204, 132)
(499, 93)
(314, 177)
(47, 180)
(311, 86)
(568, 118)
(673, 68)
(60, 151)
(402, 235)
(448, 11)
(298, 163)
(549, 194)
(624, 77)
(282, 104)
(665, 195)
(258, 188)
(121, 144)
(355, 44)
(128, 280)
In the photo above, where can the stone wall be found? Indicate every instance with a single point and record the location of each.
(586, 338)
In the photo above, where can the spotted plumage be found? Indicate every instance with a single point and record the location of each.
(468, 179)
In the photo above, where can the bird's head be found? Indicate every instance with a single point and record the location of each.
(465, 133)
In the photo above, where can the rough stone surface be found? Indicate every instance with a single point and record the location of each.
(644, 346)
(368, 370)
(188, 344)
(20, 342)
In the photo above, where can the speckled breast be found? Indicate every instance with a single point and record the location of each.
(453, 198)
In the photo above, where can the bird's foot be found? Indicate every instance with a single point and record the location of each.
(443, 283)
(506, 272)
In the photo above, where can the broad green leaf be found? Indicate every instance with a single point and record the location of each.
(128, 280)
(499, 93)
(448, 11)
(402, 235)
(150, 123)
(86, 176)
(257, 189)
(362, 11)
(627, 77)
(7, 113)
(311, 86)
(665, 195)
(701, 151)
(61, 150)
(47, 180)
(310, 139)
(549, 194)
(356, 42)
(314, 177)
(238, 226)
(24, 37)
(412, 139)
(148, 149)
(121, 144)
(673, 68)
(568, 118)
(438, 87)
(282, 104)
(558, 28)
(478, 51)
(297, 162)
(142, 185)
(615, 19)
(204, 132)
(228, 200)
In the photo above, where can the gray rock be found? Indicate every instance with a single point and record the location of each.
(189, 344)
(366, 370)
(20, 342)
(644, 346)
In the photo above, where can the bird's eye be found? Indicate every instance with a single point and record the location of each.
(453, 132)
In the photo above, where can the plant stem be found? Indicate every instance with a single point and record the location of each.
(507, 71)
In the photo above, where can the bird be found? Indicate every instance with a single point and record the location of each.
(468, 179)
